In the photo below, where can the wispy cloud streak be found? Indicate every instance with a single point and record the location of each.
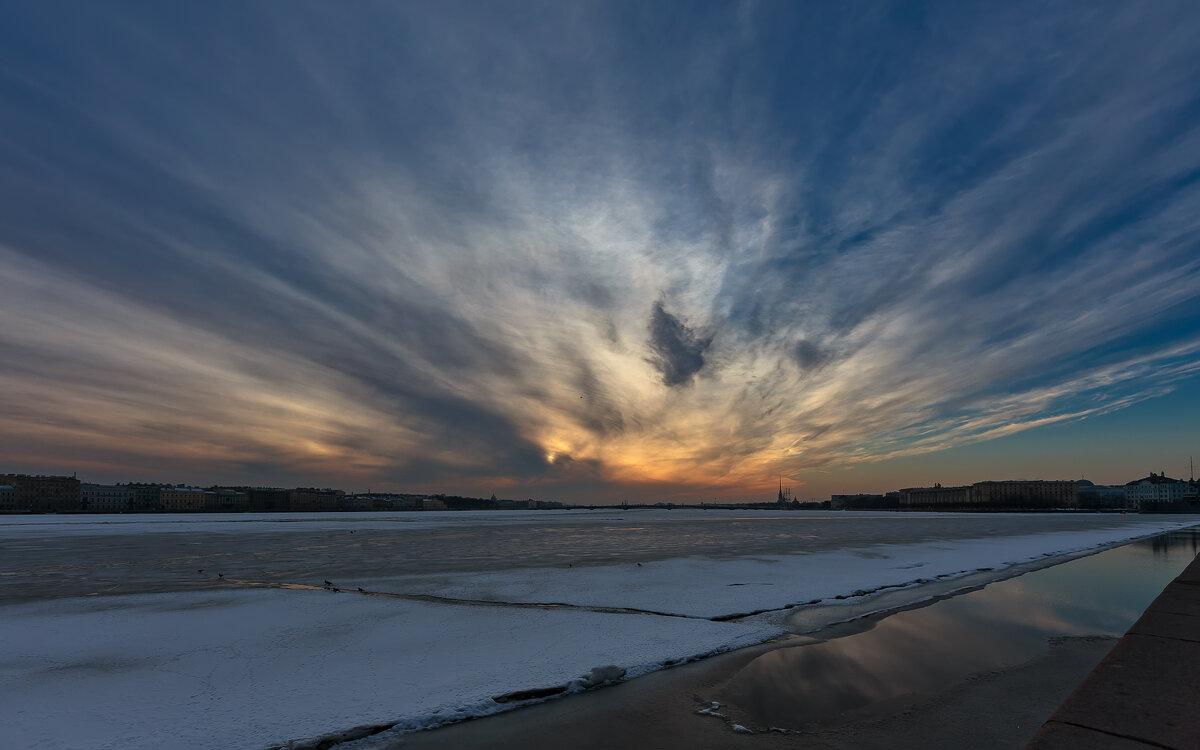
(517, 247)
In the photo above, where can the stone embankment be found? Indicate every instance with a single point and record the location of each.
(1146, 692)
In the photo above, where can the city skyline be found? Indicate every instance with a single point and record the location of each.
(23, 493)
(600, 251)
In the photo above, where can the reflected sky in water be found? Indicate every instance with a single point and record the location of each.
(913, 655)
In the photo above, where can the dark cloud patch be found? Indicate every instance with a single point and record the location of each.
(818, 431)
(678, 350)
(488, 438)
(808, 355)
(610, 332)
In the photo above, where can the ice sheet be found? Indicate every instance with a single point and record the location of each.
(246, 669)
(724, 587)
(242, 667)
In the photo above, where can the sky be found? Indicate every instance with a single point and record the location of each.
(599, 251)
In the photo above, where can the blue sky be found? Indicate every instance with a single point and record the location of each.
(599, 250)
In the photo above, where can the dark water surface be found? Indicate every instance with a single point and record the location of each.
(914, 655)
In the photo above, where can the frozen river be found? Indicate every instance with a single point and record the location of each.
(221, 631)
(54, 556)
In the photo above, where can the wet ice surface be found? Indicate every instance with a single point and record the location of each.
(217, 631)
(912, 656)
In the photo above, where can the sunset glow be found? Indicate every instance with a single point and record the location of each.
(477, 248)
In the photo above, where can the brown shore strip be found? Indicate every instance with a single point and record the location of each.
(1145, 692)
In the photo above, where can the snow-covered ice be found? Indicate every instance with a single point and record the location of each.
(245, 669)
(715, 588)
(135, 655)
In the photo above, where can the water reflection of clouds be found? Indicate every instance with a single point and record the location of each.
(914, 655)
(905, 657)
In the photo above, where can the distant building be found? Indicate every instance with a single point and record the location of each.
(1156, 488)
(1097, 496)
(1007, 494)
(267, 499)
(8, 498)
(1025, 493)
(406, 502)
(842, 502)
(226, 500)
(358, 502)
(107, 498)
(146, 497)
(43, 494)
(388, 501)
(310, 498)
(935, 496)
(863, 501)
(182, 499)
